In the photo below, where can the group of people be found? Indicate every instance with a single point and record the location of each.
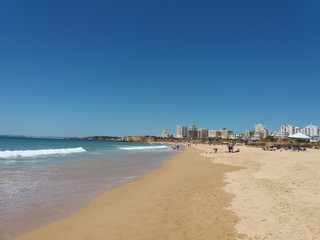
(175, 147)
(230, 148)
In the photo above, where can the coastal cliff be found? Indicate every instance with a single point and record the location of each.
(122, 139)
(139, 139)
(146, 138)
(97, 138)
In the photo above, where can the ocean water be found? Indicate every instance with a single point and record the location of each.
(42, 180)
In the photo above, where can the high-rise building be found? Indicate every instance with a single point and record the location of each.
(311, 130)
(262, 130)
(181, 131)
(164, 133)
(225, 133)
(222, 133)
(297, 130)
(192, 131)
(259, 127)
(288, 129)
(202, 133)
(214, 134)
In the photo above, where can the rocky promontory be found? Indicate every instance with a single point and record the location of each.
(139, 139)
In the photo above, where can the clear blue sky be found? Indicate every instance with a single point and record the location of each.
(78, 68)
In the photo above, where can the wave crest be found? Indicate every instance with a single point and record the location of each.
(37, 153)
(144, 147)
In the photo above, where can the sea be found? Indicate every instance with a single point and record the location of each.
(43, 179)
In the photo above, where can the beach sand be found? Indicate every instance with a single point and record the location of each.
(198, 194)
(183, 199)
(277, 193)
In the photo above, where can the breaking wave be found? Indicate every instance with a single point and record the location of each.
(144, 147)
(37, 153)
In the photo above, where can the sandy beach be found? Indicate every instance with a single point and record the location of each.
(183, 199)
(199, 194)
(276, 193)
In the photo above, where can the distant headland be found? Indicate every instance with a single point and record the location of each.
(121, 139)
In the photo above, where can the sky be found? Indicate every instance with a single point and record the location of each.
(116, 68)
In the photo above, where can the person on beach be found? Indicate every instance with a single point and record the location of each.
(230, 147)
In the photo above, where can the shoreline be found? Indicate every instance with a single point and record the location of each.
(38, 194)
(182, 199)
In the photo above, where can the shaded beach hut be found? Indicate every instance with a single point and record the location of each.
(297, 137)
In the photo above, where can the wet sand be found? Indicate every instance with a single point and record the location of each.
(183, 199)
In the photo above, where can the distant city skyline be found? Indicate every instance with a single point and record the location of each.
(116, 68)
(258, 131)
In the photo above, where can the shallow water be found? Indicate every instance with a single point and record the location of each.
(51, 178)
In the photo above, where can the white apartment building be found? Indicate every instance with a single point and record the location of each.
(181, 131)
(214, 134)
(287, 128)
(225, 133)
(222, 133)
(192, 131)
(311, 130)
(202, 133)
(259, 127)
(164, 133)
(262, 130)
(281, 134)
(236, 136)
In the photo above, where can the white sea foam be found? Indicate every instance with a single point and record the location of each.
(144, 147)
(37, 153)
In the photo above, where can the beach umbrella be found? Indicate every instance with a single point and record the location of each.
(299, 136)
